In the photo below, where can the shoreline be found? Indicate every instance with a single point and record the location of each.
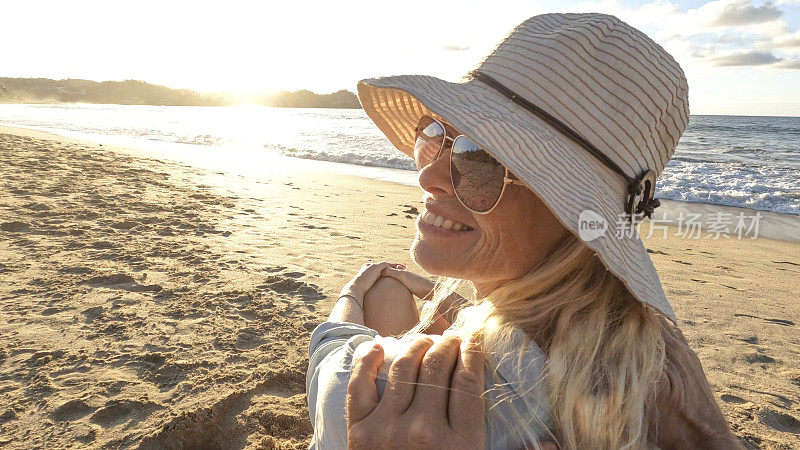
(772, 225)
(151, 302)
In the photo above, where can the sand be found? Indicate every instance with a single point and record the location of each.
(152, 304)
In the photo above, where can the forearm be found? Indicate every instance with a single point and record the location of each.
(347, 310)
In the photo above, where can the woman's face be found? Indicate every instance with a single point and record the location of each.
(501, 245)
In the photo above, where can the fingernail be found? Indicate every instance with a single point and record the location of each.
(376, 347)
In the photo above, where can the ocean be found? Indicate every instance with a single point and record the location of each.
(743, 161)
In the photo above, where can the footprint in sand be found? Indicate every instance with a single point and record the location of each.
(116, 412)
(271, 407)
(656, 252)
(53, 310)
(286, 285)
(750, 340)
(682, 262)
(728, 398)
(759, 358)
(15, 227)
(120, 281)
(124, 225)
(92, 313)
(71, 410)
(779, 421)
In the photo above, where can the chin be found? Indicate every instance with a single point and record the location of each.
(434, 261)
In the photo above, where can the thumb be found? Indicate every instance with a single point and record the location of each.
(362, 392)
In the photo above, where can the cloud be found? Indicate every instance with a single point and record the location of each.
(456, 48)
(787, 41)
(789, 64)
(749, 58)
(742, 12)
(718, 33)
(755, 58)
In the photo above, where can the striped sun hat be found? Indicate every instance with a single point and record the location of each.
(583, 108)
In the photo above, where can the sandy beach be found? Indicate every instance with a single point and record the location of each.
(148, 303)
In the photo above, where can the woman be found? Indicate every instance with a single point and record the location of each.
(535, 170)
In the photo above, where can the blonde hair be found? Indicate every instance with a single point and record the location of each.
(605, 352)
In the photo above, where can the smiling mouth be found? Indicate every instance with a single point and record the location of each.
(443, 222)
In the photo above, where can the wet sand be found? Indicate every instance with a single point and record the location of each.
(155, 304)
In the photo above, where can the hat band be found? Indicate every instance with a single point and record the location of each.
(644, 183)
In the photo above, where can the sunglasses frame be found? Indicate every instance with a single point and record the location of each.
(506, 178)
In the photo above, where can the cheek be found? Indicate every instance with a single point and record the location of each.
(510, 241)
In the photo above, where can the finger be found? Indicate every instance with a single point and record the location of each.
(402, 380)
(466, 406)
(419, 286)
(362, 392)
(368, 276)
(433, 388)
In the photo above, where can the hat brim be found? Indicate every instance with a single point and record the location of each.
(563, 174)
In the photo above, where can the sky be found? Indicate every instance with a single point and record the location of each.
(741, 57)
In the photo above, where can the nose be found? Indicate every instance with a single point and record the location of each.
(435, 177)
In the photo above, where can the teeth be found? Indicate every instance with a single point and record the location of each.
(439, 221)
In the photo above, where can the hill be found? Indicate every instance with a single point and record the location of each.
(133, 92)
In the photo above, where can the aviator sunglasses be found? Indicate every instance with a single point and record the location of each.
(478, 179)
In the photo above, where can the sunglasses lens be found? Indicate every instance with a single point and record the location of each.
(430, 138)
(477, 176)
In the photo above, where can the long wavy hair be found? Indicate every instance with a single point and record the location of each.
(604, 349)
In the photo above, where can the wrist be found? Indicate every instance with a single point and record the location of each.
(353, 292)
(352, 298)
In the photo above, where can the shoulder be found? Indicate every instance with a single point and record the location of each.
(331, 351)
